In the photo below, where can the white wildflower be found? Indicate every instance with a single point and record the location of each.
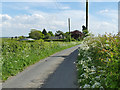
(79, 80)
(92, 73)
(87, 69)
(80, 87)
(98, 77)
(90, 81)
(101, 86)
(82, 75)
(98, 67)
(85, 75)
(96, 85)
(79, 54)
(102, 71)
(89, 59)
(93, 68)
(107, 44)
(27, 56)
(86, 86)
(15, 61)
(107, 40)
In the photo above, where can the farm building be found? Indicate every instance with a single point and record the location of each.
(76, 34)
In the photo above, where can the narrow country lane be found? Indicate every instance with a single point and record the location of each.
(65, 74)
(56, 71)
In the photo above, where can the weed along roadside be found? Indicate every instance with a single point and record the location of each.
(98, 62)
(51, 71)
(16, 56)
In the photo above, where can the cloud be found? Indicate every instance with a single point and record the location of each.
(21, 25)
(5, 17)
(110, 25)
(111, 15)
(65, 8)
(104, 11)
(98, 27)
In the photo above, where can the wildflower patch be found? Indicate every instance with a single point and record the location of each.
(98, 61)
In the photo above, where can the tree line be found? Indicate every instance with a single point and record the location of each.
(37, 34)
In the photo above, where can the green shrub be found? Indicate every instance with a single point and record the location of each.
(72, 39)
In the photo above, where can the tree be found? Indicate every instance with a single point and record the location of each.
(66, 34)
(51, 33)
(21, 37)
(44, 32)
(58, 33)
(47, 36)
(36, 34)
(84, 31)
(11, 37)
(15, 37)
(32, 30)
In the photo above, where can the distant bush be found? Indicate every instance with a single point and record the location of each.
(72, 39)
(40, 40)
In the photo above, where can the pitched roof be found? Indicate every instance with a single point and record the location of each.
(76, 32)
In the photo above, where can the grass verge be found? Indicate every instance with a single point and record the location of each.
(16, 56)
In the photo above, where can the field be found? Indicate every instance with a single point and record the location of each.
(17, 55)
(98, 62)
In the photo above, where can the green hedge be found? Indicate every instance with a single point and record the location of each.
(17, 55)
(58, 40)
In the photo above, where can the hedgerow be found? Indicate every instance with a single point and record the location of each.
(17, 55)
(98, 62)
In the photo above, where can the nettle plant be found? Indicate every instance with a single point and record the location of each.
(99, 59)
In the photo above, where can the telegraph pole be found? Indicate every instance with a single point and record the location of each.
(119, 17)
(87, 14)
(69, 29)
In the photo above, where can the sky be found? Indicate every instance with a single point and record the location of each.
(18, 18)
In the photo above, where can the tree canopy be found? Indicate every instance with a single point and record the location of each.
(36, 34)
(51, 33)
(44, 32)
(85, 31)
(58, 33)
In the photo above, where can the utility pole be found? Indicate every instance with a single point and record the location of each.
(69, 29)
(87, 14)
(119, 17)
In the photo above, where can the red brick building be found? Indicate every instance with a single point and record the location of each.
(76, 34)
